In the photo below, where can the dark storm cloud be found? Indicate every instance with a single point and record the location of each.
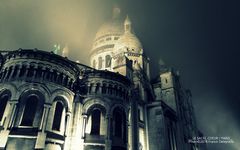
(200, 38)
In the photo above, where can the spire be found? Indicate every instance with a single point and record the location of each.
(116, 12)
(127, 24)
(65, 51)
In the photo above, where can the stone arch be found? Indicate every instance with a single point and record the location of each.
(96, 111)
(5, 96)
(119, 122)
(11, 88)
(60, 111)
(118, 105)
(64, 95)
(5, 91)
(29, 92)
(63, 100)
(96, 106)
(91, 102)
(35, 87)
(31, 101)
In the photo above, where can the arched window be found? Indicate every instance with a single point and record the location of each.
(108, 61)
(29, 110)
(118, 124)
(99, 62)
(3, 104)
(57, 116)
(96, 119)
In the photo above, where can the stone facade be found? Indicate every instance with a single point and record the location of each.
(50, 102)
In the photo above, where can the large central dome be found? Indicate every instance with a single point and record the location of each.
(105, 40)
(113, 38)
(112, 27)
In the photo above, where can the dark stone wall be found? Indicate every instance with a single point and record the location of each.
(156, 126)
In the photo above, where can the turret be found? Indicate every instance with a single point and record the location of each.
(65, 52)
(127, 25)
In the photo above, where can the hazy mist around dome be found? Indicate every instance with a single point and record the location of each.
(41, 24)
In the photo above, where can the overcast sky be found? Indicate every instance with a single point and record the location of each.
(200, 38)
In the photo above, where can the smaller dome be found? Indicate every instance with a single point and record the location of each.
(128, 42)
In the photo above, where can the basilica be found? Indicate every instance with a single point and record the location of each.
(50, 102)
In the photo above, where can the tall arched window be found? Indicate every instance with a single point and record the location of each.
(118, 124)
(29, 110)
(99, 62)
(3, 104)
(96, 119)
(107, 61)
(57, 116)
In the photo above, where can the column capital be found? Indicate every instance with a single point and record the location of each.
(68, 113)
(84, 115)
(15, 101)
(47, 105)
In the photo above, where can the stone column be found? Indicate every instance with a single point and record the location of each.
(34, 72)
(77, 127)
(84, 116)
(67, 130)
(68, 116)
(11, 73)
(108, 142)
(41, 137)
(12, 117)
(25, 74)
(44, 117)
(18, 71)
(6, 74)
(100, 89)
(63, 78)
(3, 74)
(8, 123)
(134, 123)
(42, 74)
(68, 81)
(57, 78)
(103, 124)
